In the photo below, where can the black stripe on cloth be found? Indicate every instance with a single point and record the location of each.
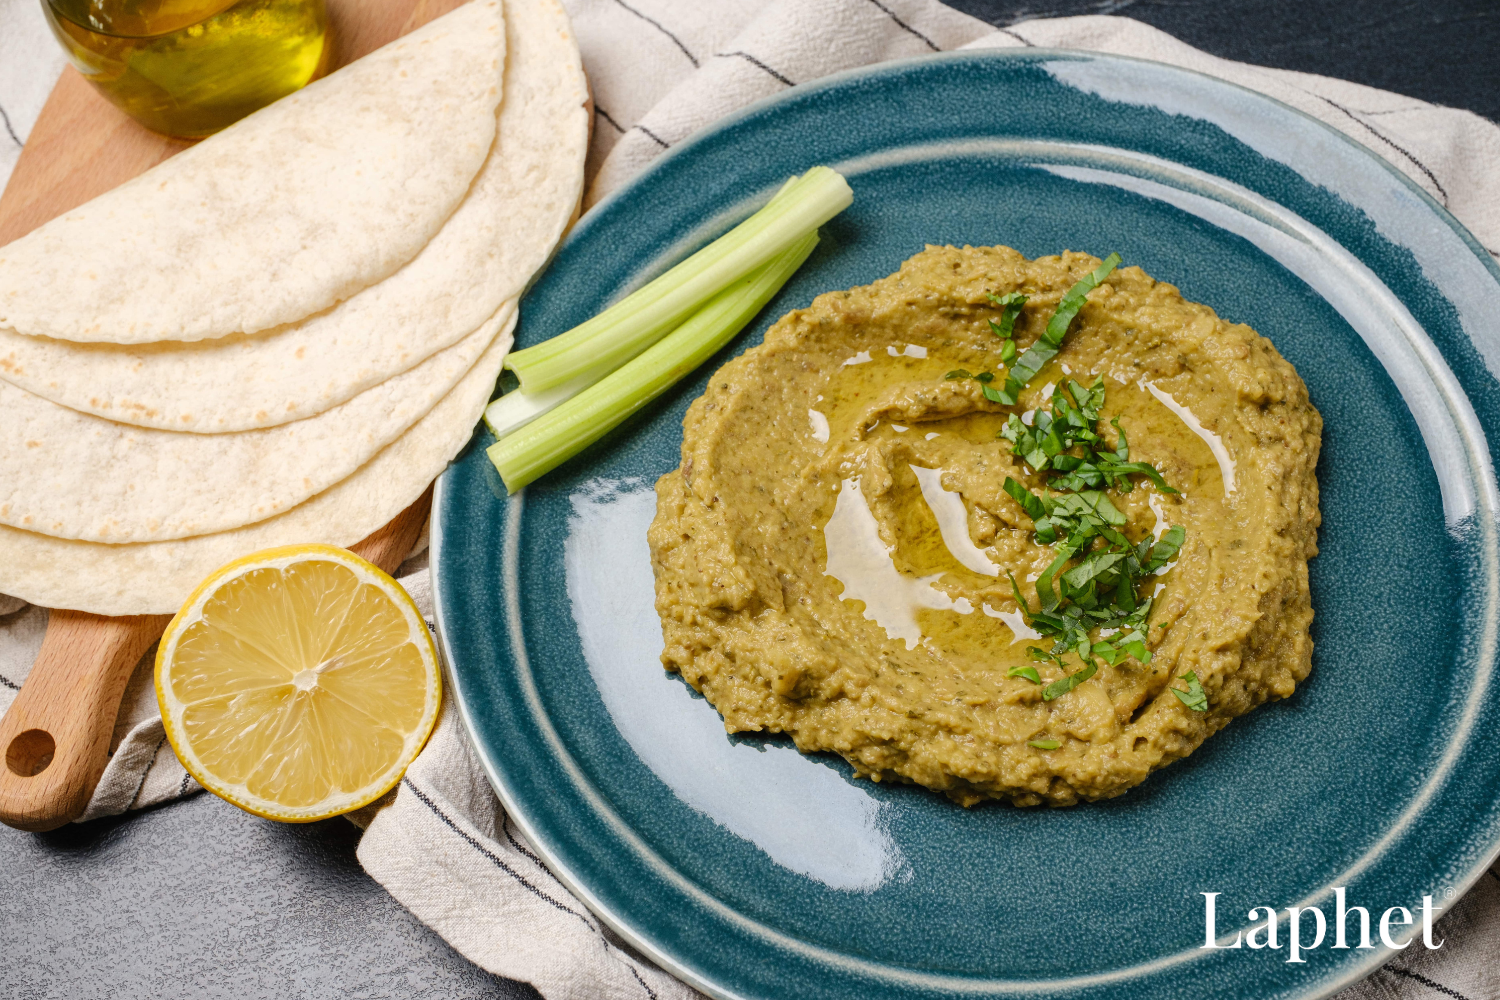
(520, 847)
(499, 862)
(654, 137)
(1017, 36)
(1427, 982)
(182, 789)
(660, 27)
(147, 771)
(609, 118)
(755, 62)
(649, 991)
(906, 27)
(9, 683)
(1389, 142)
(10, 131)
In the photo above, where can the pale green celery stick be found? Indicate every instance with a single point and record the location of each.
(516, 409)
(553, 438)
(643, 317)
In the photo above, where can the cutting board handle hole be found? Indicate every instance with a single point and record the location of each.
(30, 753)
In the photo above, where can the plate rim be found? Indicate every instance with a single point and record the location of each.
(562, 872)
(575, 884)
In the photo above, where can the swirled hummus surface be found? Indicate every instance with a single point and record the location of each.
(831, 557)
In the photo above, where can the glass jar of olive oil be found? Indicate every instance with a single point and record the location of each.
(188, 68)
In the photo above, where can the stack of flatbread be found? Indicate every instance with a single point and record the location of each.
(284, 333)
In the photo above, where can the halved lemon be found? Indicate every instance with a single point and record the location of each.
(298, 682)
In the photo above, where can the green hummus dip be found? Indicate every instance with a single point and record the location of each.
(831, 557)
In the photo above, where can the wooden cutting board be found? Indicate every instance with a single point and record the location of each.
(56, 733)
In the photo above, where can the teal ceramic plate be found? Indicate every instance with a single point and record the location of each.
(753, 871)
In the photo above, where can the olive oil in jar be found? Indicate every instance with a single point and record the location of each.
(188, 68)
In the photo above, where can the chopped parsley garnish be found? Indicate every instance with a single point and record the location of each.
(1193, 697)
(1097, 591)
(1060, 514)
(1050, 342)
(1044, 744)
(1010, 308)
(1092, 584)
(1073, 423)
(1058, 688)
(1047, 345)
(1075, 411)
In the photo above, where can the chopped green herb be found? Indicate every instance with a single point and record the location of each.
(983, 378)
(1193, 697)
(1073, 300)
(1010, 308)
(1029, 501)
(1072, 423)
(1095, 565)
(1165, 550)
(1044, 744)
(1060, 515)
(1050, 342)
(1100, 470)
(1061, 687)
(1092, 584)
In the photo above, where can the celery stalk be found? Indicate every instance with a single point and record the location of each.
(646, 315)
(553, 438)
(515, 410)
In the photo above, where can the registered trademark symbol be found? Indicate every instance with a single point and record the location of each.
(1448, 892)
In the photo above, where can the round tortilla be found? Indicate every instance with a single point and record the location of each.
(72, 475)
(282, 214)
(486, 253)
(156, 577)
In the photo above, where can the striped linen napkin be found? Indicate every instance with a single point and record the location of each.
(660, 70)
